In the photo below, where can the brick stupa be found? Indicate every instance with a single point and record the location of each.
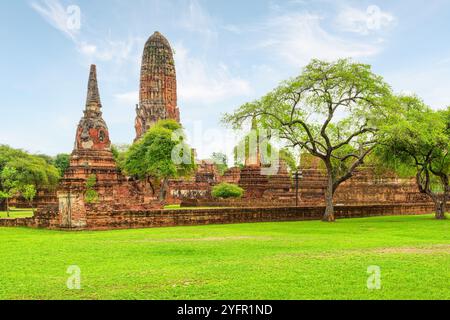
(255, 178)
(92, 157)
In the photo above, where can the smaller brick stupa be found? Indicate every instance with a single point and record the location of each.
(92, 158)
(257, 179)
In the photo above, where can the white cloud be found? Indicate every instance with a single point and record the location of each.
(198, 82)
(110, 50)
(299, 37)
(56, 15)
(87, 49)
(364, 22)
(65, 20)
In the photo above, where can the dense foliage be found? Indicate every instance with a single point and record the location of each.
(31, 169)
(227, 190)
(415, 141)
(161, 154)
(19, 170)
(62, 162)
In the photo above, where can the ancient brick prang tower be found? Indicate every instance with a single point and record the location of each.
(158, 87)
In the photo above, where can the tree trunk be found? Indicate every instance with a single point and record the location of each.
(32, 207)
(2, 205)
(7, 207)
(440, 204)
(163, 190)
(441, 208)
(329, 192)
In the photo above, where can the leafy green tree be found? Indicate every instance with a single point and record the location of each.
(91, 196)
(29, 193)
(10, 185)
(161, 154)
(31, 169)
(332, 110)
(227, 190)
(46, 158)
(287, 156)
(415, 141)
(221, 161)
(62, 162)
(119, 152)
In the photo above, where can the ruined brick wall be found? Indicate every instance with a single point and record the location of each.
(277, 190)
(98, 217)
(123, 219)
(42, 199)
(180, 190)
(364, 188)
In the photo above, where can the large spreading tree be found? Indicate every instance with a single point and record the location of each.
(332, 110)
(160, 154)
(20, 170)
(415, 141)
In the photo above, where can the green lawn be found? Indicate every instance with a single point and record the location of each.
(292, 260)
(17, 213)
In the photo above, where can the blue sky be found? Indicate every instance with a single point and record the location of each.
(227, 53)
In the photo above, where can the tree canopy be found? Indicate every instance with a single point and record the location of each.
(332, 110)
(20, 172)
(161, 153)
(415, 141)
(30, 169)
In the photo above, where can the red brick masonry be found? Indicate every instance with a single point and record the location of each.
(121, 219)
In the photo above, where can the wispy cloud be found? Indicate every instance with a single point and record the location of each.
(62, 19)
(206, 84)
(56, 15)
(364, 22)
(196, 19)
(199, 82)
(299, 36)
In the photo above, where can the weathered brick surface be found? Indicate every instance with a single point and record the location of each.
(165, 218)
(123, 219)
(43, 198)
(158, 87)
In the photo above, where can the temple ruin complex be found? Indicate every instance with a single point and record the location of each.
(124, 202)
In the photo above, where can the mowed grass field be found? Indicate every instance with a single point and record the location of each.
(292, 260)
(16, 213)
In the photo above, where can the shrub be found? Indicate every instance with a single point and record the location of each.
(227, 190)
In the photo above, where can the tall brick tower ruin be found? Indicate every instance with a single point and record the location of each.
(158, 87)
